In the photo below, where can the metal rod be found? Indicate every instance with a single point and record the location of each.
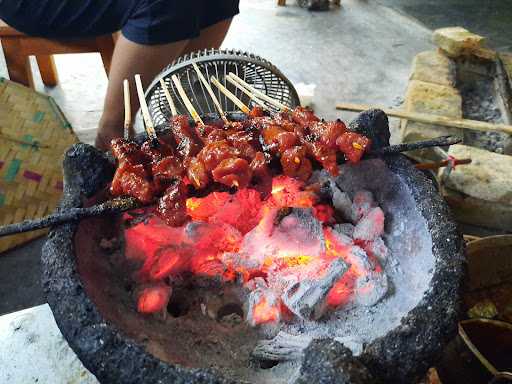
(404, 147)
(72, 214)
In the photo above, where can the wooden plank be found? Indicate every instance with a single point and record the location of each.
(432, 119)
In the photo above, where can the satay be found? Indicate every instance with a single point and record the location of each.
(236, 154)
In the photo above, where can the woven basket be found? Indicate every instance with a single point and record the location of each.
(33, 137)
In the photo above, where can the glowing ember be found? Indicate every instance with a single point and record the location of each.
(288, 252)
(154, 298)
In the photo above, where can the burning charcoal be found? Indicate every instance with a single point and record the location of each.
(154, 298)
(345, 232)
(377, 249)
(370, 288)
(283, 347)
(342, 204)
(360, 260)
(307, 298)
(371, 226)
(363, 202)
(263, 307)
(299, 233)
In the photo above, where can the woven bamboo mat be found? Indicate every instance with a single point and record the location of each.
(33, 137)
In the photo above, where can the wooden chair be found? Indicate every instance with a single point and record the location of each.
(18, 47)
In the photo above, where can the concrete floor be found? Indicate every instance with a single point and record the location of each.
(359, 53)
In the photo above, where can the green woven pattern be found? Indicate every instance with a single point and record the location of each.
(33, 137)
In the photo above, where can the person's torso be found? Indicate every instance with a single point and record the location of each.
(66, 18)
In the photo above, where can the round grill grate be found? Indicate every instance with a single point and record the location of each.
(256, 71)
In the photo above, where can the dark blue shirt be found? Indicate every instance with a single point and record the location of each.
(142, 21)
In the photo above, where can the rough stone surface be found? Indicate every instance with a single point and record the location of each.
(506, 59)
(328, 361)
(437, 314)
(487, 178)
(477, 212)
(401, 356)
(456, 41)
(480, 193)
(435, 99)
(372, 123)
(433, 67)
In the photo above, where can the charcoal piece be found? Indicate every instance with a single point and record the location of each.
(298, 233)
(343, 205)
(306, 298)
(263, 307)
(373, 124)
(346, 230)
(370, 289)
(378, 249)
(283, 347)
(363, 202)
(328, 361)
(370, 226)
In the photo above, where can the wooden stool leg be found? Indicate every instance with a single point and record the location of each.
(106, 46)
(18, 65)
(48, 70)
(281, 2)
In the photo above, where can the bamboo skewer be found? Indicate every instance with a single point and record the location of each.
(127, 109)
(433, 119)
(258, 93)
(210, 92)
(247, 92)
(244, 108)
(443, 163)
(168, 97)
(186, 101)
(148, 123)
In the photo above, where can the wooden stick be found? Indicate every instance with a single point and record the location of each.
(433, 119)
(73, 214)
(186, 101)
(210, 92)
(127, 109)
(168, 97)
(244, 108)
(148, 123)
(247, 92)
(260, 94)
(443, 163)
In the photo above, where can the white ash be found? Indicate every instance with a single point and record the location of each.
(408, 265)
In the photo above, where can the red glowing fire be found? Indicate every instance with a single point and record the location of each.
(241, 238)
